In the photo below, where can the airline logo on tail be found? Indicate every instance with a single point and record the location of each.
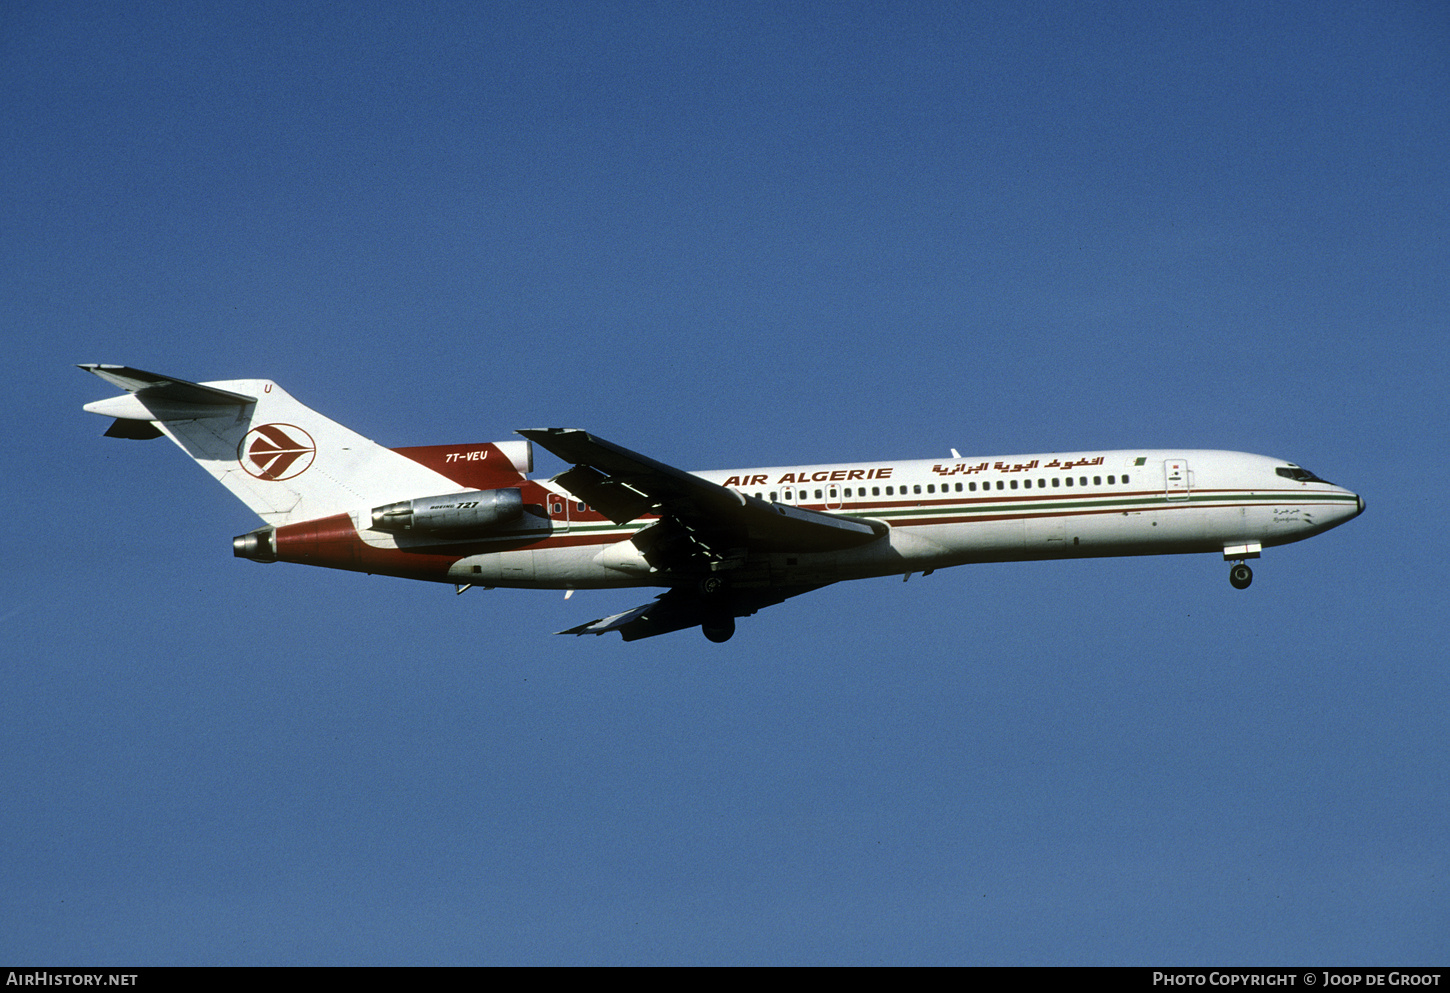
(276, 451)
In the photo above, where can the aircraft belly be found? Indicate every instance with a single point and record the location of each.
(569, 567)
(997, 537)
(508, 568)
(1045, 536)
(1182, 524)
(1165, 529)
(805, 569)
(515, 567)
(905, 549)
(578, 567)
(1136, 532)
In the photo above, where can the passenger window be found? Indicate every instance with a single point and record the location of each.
(890, 491)
(818, 494)
(916, 488)
(1000, 485)
(1097, 480)
(1111, 480)
(959, 487)
(1069, 480)
(1125, 479)
(1056, 480)
(1082, 480)
(931, 487)
(1014, 484)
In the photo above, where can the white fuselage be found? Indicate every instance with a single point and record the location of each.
(726, 544)
(951, 512)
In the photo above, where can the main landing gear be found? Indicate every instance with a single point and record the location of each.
(719, 629)
(719, 622)
(1240, 576)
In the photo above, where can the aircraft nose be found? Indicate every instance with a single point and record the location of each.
(1351, 514)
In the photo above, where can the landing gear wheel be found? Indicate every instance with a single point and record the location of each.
(719, 629)
(712, 585)
(719, 619)
(1240, 576)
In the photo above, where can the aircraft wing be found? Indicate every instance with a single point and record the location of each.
(702, 528)
(682, 607)
(624, 485)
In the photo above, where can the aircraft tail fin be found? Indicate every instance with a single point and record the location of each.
(284, 460)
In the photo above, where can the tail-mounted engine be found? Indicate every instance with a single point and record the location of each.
(452, 514)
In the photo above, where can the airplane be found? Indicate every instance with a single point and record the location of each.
(723, 544)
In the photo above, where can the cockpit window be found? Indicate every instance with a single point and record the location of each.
(1299, 475)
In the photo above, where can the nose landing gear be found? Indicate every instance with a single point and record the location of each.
(1240, 576)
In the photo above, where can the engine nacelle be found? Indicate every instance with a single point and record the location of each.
(454, 514)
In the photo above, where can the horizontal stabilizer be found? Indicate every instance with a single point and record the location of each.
(152, 397)
(165, 387)
(123, 427)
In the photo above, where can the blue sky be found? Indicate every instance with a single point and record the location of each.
(729, 235)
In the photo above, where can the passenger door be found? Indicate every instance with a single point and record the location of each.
(1176, 479)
